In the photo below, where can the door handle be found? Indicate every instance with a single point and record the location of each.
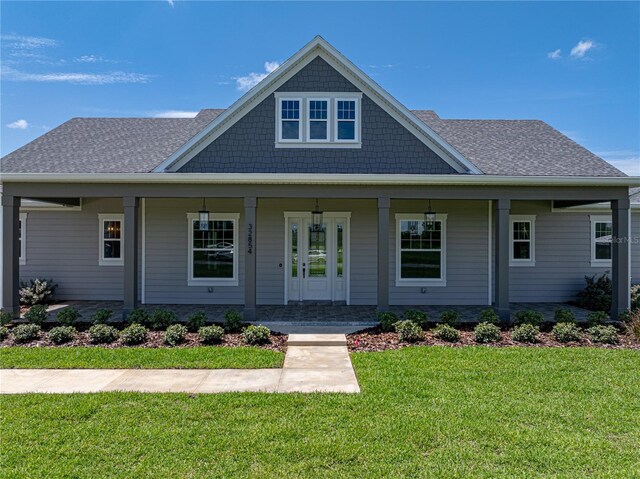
(303, 273)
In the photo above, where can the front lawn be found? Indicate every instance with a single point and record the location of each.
(423, 412)
(206, 357)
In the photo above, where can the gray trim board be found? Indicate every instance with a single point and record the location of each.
(10, 254)
(383, 253)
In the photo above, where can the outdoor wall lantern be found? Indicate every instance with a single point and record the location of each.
(203, 216)
(316, 218)
(430, 219)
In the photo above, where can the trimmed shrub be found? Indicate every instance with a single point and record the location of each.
(408, 331)
(175, 334)
(256, 334)
(525, 333)
(446, 333)
(5, 318)
(23, 333)
(564, 315)
(36, 314)
(635, 296)
(139, 316)
(68, 316)
(101, 316)
(232, 321)
(450, 317)
(529, 316)
(566, 332)
(486, 333)
(162, 319)
(419, 317)
(62, 334)
(603, 334)
(596, 318)
(103, 334)
(134, 334)
(489, 316)
(387, 320)
(196, 321)
(633, 324)
(211, 334)
(4, 332)
(596, 295)
(37, 291)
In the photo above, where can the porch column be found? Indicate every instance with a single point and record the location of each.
(501, 210)
(383, 253)
(250, 204)
(130, 250)
(620, 273)
(10, 254)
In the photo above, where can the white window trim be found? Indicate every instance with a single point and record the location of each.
(300, 120)
(523, 218)
(598, 263)
(23, 239)
(356, 127)
(102, 261)
(191, 281)
(439, 282)
(309, 120)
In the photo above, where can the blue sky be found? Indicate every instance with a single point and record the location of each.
(574, 65)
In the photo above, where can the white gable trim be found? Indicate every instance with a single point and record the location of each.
(317, 47)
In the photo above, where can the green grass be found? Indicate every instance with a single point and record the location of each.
(423, 412)
(183, 358)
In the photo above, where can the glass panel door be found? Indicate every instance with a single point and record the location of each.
(317, 252)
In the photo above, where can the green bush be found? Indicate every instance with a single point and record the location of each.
(529, 316)
(487, 333)
(596, 318)
(162, 319)
(62, 334)
(256, 334)
(603, 334)
(4, 332)
(36, 314)
(450, 317)
(446, 333)
(37, 291)
(103, 334)
(633, 324)
(134, 334)
(68, 316)
(525, 333)
(211, 334)
(489, 316)
(175, 334)
(196, 321)
(566, 332)
(101, 316)
(24, 333)
(232, 321)
(139, 316)
(564, 315)
(387, 320)
(5, 318)
(635, 296)
(419, 317)
(408, 331)
(596, 295)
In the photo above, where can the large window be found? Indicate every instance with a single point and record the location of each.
(22, 238)
(601, 234)
(213, 250)
(111, 233)
(318, 120)
(290, 110)
(420, 251)
(346, 118)
(522, 244)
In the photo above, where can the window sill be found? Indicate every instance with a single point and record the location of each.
(523, 263)
(103, 262)
(401, 283)
(599, 263)
(326, 144)
(212, 282)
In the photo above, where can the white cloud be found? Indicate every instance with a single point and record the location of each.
(581, 48)
(19, 125)
(555, 55)
(625, 160)
(174, 114)
(170, 2)
(252, 79)
(107, 78)
(28, 43)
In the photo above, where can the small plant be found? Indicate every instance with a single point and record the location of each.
(133, 334)
(596, 318)
(387, 320)
(68, 316)
(37, 291)
(489, 316)
(5, 318)
(162, 319)
(101, 316)
(529, 316)
(4, 332)
(564, 315)
(62, 334)
(525, 333)
(24, 333)
(196, 321)
(487, 333)
(450, 317)
(36, 314)
(408, 331)
(175, 334)
(419, 317)
(603, 334)
(103, 334)
(596, 295)
(256, 334)
(210, 334)
(566, 332)
(635, 296)
(446, 333)
(633, 324)
(139, 316)
(232, 321)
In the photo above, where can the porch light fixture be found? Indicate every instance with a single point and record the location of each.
(203, 217)
(316, 218)
(430, 219)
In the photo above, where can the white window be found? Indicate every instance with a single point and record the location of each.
(111, 234)
(420, 251)
(601, 235)
(318, 119)
(290, 113)
(522, 244)
(22, 238)
(346, 119)
(213, 250)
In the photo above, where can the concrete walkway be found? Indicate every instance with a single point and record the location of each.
(313, 363)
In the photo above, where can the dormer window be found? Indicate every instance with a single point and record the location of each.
(318, 120)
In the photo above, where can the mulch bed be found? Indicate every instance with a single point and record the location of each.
(374, 339)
